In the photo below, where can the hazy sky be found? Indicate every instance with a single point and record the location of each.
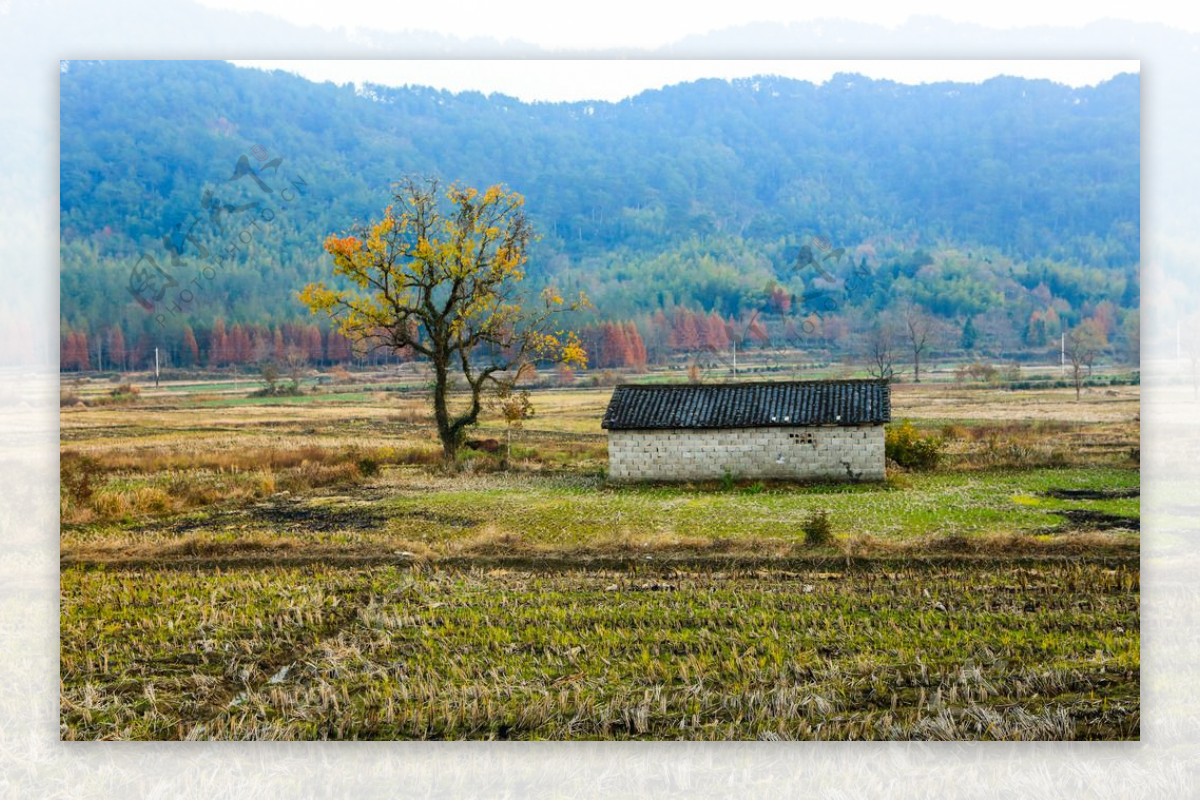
(637, 23)
(614, 79)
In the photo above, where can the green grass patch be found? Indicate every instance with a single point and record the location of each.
(562, 511)
(290, 400)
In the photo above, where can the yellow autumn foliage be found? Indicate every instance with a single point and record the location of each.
(443, 283)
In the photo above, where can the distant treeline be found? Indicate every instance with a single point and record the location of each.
(193, 192)
(648, 339)
(218, 346)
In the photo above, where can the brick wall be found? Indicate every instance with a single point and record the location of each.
(819, 452)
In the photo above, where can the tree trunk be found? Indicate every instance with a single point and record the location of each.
(916, 367)
(451, 431)
(441, 412)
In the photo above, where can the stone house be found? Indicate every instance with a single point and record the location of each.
(781, 430)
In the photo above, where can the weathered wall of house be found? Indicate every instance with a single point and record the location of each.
(818, 452)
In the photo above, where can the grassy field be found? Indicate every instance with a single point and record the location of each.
(304, 568)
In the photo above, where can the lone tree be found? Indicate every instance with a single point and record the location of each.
(515, 407)
(918, 329)
(881, 352)
(1082, 345)
(970, 337)
(441, 275)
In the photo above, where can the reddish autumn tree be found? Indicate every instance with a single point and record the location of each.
(685, 330)
(614, 346)
(116, 347)
(287, 333)
(218, 345)
(757, 331)
(240, 350)
(637, 348)
(337, 348)
(1035, 330)
(716, 336)
(66, 353)
(260, 344)
(313, 347)
(73, 354)
(1105, 317)
(778, 300)
(78, 350)
(142, 351)
(189, 353)
(1053, 323)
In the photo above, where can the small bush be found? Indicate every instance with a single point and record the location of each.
(312, 476)
(727, 481)
(976, 371)
(151, 500)
(818, 531)
(904, 445)
(278, 391)
(266, 483)
(112, 505)
(953, 431)
(126, 392)
(79, 478)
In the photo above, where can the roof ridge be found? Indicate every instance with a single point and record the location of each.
(712, 384)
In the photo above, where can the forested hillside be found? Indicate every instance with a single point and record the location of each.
(1006, 210)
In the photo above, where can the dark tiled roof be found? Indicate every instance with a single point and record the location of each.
(749, 405)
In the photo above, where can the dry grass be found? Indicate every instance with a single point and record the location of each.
(123, 484)
(919, 651)
(250, 585)
(948, 402)
(1095, 544)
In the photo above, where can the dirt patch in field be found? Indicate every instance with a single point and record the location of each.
(1093, 495)
(307, 517)
(288, 515)
(1089, 546)
(1090, 519)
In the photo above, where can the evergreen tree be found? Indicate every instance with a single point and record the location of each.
(969, 336)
